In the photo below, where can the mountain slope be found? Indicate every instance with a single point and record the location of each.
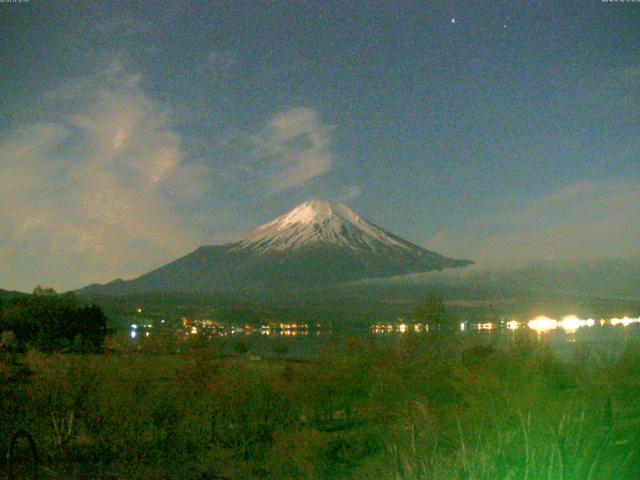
(10, 293)
(317, 243)
(316, 222)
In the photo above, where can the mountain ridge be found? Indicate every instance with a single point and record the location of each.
(316, 243)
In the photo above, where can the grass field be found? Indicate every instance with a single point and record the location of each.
(441, 406)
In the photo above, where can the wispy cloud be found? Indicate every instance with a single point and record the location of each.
(98, 184)
(93, 185)
(581, 220)
(294, 148)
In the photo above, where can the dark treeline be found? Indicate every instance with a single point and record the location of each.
(50, 322)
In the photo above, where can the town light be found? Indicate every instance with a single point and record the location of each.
(571, 323)
(542, 324)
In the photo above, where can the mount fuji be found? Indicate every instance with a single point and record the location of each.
(317, 243)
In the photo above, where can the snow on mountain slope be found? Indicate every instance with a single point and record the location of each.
(317, 243)
(319, 221)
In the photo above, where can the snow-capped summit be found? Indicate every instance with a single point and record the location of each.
(318, 221)
(316, 243)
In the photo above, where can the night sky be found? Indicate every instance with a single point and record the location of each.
(133, 132)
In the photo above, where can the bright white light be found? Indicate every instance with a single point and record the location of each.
(513, 325)
(139, 310)
(402, 328)
(624, 321)
(542, 324)
(134, 326)
(462, 326)
(570, 323)
(133, 334)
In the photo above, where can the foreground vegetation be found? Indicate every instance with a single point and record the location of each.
(429, 407)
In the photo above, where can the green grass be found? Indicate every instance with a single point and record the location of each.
(436, 407)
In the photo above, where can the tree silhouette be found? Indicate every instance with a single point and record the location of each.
(52, 322)
(433, 312)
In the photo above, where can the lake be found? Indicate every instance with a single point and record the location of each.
(303, 340)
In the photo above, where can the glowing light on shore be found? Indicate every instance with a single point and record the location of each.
(133, 334)
(542, 324)
(484, 326)
(513, 325)
(570, 323)
(624, 321)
